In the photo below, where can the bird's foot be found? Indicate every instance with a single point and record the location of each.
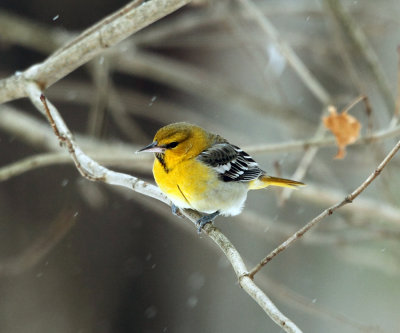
(201, 222)
(176, 211)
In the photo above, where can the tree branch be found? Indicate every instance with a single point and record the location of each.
(295, 62)
(329, 211)
(360, 41)
(106, 33)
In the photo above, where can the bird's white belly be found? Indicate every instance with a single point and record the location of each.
(228, 198)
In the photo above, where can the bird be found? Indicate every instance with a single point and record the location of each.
(202, 171)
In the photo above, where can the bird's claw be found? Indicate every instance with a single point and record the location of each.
(176, 211)
(201, 222)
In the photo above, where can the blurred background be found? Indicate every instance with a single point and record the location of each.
(77, 256)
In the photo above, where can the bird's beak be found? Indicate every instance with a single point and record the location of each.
(152, 148)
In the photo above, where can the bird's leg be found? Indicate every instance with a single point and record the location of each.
(176, 211)
(201, 222)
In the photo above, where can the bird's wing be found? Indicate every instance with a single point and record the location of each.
(231, 163)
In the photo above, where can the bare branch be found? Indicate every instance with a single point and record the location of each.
(39, 248)
(86, 166)
(301, 70)
(195, 81)
(358, 38)
(240, 269)
(329, 211)
(31, 163)
(300, 145)
(108, 32)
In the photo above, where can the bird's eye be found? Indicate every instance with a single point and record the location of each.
(171, 145)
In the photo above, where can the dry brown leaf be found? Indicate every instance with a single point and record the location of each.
(344, 127)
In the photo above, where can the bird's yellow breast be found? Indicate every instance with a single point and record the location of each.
(187, 183)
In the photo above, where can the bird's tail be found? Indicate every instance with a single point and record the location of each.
(265, 181)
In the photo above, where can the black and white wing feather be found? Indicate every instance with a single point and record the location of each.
(231, 163)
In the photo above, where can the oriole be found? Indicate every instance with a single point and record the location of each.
(203, 171)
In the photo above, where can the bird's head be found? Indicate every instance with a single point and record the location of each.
(179, 141)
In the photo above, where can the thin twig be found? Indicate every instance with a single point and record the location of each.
(396, 114)
(119, 113)
(196, 81)
(320, 142)
(358, 38)
(66, 138)
(298, 66)
(36, 133)
(31, 163)
(353, 103)
(85, 165)
(339, 45)
(329, 211)
(365, 208)
(302, 303)
(308, 157)
(107, 157)
(40, 247)
(101, 73)
(368, 110)
(312, 151)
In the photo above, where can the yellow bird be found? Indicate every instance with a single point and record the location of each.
(203, 171)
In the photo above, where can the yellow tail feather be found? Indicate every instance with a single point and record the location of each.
(265, 181)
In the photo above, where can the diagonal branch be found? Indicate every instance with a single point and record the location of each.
(39, 248)
(329, 211)
(295, 62)
(86, 166)
(108, 32)
(360, 41)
